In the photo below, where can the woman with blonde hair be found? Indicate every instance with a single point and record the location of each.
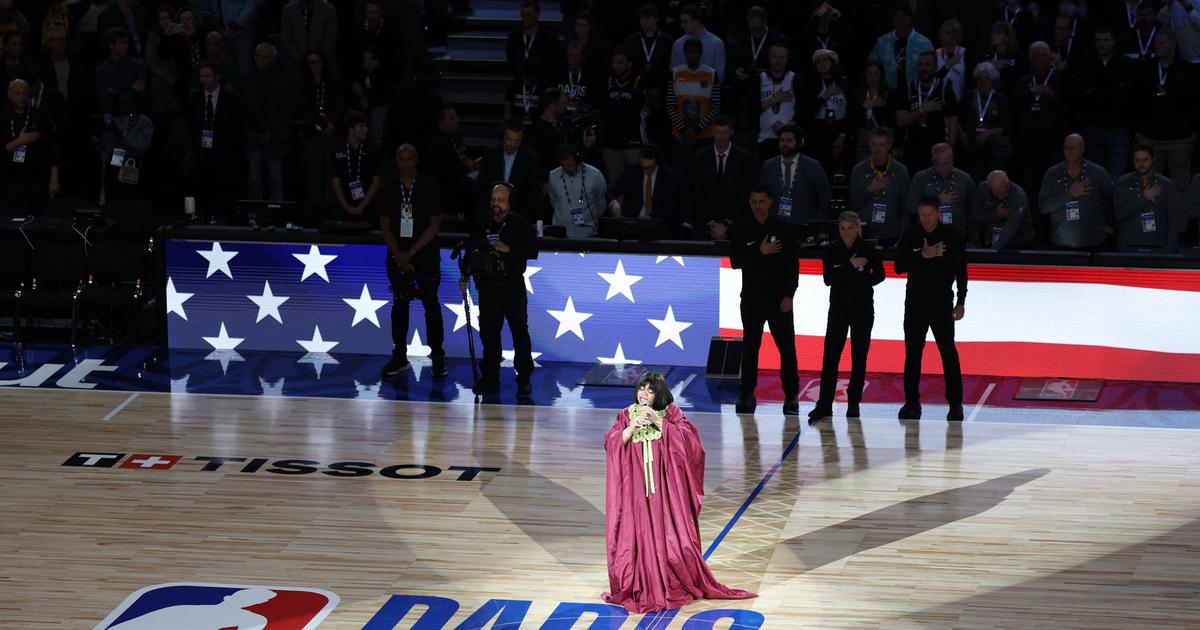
(852, 268)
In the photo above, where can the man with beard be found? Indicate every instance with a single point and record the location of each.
(507, 240)
(932, 114)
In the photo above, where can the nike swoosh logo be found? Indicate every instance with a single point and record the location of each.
(752, 243)
(917, 249)
(836, 266)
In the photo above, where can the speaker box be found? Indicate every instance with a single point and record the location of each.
(724, 358)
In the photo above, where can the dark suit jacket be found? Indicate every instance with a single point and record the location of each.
(526, 178)
(725, 198)
(630, 189)
(229, 132)
(442, 163)
(321, 34)
(81, 84)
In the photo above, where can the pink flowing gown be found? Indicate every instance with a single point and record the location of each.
(654, 557)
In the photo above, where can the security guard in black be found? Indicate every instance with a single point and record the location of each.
(934, 258)
(766, 250)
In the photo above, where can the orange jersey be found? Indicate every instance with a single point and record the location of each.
(693, 100)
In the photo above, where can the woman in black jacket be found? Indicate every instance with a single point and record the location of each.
(852, 268)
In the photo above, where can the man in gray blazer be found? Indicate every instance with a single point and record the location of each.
(798, 185)
(878, 189)
(309, 25)
(953, 188)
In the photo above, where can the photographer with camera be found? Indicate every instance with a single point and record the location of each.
(410, 219)
(501, 243)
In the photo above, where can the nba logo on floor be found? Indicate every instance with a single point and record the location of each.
(195, 606)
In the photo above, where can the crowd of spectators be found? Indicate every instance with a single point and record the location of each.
(1051, 124)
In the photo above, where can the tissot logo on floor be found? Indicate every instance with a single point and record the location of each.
(250, 465)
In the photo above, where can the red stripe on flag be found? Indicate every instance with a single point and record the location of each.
(1021, 359)
(1170, 279)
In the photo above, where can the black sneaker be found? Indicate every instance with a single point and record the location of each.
(852, 410)
(956, 413)
(791, 406)
(396, 366)
(745, 404)
(524, 387)
(910, 412)
(439, 369)
(819, 413)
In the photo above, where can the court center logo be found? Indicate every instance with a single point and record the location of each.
(200, 606)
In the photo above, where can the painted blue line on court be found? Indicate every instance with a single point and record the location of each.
(753, 495)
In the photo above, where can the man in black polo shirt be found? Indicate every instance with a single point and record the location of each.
(356, 178)
(505, 240)
(410, 218)
(764, 247)
(934, 258)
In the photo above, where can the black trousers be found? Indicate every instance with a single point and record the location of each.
(497, 303)
(918, 320)
(754, 315)
(857, 319)
(427, 281)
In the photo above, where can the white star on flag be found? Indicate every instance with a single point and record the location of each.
(459, 311)
(529, 271)
(669, 329)
(218, 260)
(175, 300)
(569, 320)
(619, 283)
(318, 360)
(510, 355)
(678, 259)
(223, 341)
(268, 304)
(179, 385)
(572, 397)
(416, 348)
(365, 308)
(224, 356)
(269, 388)
(618, 358)
(314, 263)
(316, 344)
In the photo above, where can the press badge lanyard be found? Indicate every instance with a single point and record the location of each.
(321, 99)
(586, 203)
(649, 51)
(1131, 16)
(354, 162)
(1162, 77)
(528, 39)
(922, 96)
(18, 156)
(1012, 18)
(755, 50)
(1038, 98)
(1145, 48)
(824, 43)
(406, 199)
(982, 107)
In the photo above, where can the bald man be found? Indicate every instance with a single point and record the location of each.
(1077, 195)
(953, 187)
(1001, 212)
(502, 295)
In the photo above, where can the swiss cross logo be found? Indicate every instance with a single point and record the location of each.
(94, 460)
(151, 462)
(200, 606)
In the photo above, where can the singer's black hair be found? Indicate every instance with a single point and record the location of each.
(658, 384)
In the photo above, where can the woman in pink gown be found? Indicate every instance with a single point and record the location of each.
(655, 486)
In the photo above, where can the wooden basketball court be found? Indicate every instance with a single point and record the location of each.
(865, 524)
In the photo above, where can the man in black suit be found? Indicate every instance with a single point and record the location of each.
(514, 164)
(532, 47)
(661, 206)
(445, 159)
(64, 74)
(216, 134)
(721, 179)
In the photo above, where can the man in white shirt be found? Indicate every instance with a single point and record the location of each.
(577, 193)
(777, 99)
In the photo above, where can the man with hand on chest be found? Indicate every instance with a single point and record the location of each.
(934, 259)
(878, 186)
(953, 188)
(1146, 206)
(764, 247)
(30, 167)
(1076, 194)
(1002, 209)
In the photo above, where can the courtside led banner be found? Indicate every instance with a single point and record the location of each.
(327, 300)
